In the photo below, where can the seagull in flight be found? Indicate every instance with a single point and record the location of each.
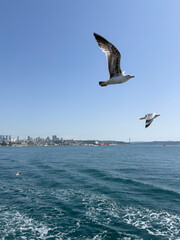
(16, 174)
(113, 57)
(149, 118)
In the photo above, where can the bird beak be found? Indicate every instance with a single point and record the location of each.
(132, 76)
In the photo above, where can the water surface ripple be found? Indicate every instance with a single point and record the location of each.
(86, 192)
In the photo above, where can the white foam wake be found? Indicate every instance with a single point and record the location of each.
(14, 223)
(158, 223)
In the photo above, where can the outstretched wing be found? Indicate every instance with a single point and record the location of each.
(148, 122)
(112, 54)
(149, 119)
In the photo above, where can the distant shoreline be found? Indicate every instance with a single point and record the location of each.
(25, 143)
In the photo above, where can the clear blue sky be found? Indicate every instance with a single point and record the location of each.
(50, 66)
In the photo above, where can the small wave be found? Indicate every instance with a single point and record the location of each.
(14, 224)
(95, 172)
(143, 186)
(158, 223)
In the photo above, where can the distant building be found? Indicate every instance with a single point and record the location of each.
(29, 138)
(54, 137)
(9, 137)
(17, 138)
(48, 139)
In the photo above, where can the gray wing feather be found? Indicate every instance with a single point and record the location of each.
(148, 122)
(149, 119)
(113, 55)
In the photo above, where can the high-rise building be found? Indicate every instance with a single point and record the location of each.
(9, 137)
(29, 138)
(48, 139)
(54, 137)
(17, 138)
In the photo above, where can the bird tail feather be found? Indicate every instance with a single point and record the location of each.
(103, 83)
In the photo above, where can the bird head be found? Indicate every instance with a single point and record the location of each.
(141, 118)
(130, 76)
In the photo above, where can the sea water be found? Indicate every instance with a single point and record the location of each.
(87, 192)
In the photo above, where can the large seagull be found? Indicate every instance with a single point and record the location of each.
(149, 118)
(113, 57)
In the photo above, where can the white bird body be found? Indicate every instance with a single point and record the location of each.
(149, 118)
(116, 76)
(16, 174)
(117, 80)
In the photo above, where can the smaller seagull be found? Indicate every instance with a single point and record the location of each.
(149, 118)
(113, 57)
(16, 174)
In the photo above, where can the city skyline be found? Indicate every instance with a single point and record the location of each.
(50, 67)
(17, 137)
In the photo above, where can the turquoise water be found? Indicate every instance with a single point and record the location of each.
(86, 192)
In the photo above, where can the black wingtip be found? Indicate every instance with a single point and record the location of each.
(95, 35)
